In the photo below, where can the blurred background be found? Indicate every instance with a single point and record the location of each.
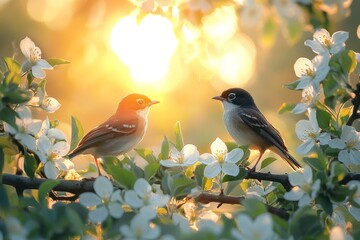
(181, 53)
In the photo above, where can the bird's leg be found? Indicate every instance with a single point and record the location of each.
(97, 165)
(257, 161)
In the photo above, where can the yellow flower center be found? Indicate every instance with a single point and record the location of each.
(35, 55)
(220, 155)
(351, 144)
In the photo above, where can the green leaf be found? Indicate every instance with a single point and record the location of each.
(150, 170)
(338, 171)
(266, 162)
(77, 132)
(325, 203)
(147, 154)
(30, 164)
(4, 199)
(305, 222)
(16, 95)
(179, 141)
(167, 183)
(293, 85)
(30, 79)
(2, 161)
(12, 76)
(165, 149)
(339, 193)
(319, 164)
(8, 115)
(124, 177)
(182, 186)
(254, 207)
(45, 188)
(240, 176)
(323, 118)
(57, 61)
(286, 108)
(348, 61)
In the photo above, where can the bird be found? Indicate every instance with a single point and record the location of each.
(120, 133)
(248, 126)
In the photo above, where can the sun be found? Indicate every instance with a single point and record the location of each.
(145, 47)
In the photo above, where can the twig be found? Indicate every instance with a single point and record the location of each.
(280, 178)
(356, 102)
(71, 186)
(223, 199)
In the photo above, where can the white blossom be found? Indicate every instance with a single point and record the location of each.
(304, 189)
(140, 228)
(325, 44)
(349, 143)
(27, 128)
(143, 195)
(309, 98)
(261, 228)
(33, 60)
(52, 156)
(187, 157)
(310, 134)
(103, 202)
(220, 161)
(311, 72)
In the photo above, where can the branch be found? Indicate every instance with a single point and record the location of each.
(71, 186)
(356, 102)
(221, 198)
(280, 178)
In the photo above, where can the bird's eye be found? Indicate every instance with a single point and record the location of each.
(231, 96)
(140, 101)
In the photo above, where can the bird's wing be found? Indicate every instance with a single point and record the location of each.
(256, 121)
(112, 128)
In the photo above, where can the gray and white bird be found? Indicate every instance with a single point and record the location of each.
(248, 126)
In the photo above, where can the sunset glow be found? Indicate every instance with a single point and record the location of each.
(146, 47)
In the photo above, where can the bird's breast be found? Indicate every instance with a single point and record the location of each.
(241, 132)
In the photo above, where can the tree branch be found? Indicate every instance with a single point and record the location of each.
(221, 198)
(356, 102)
(71, 186)
(280, 178)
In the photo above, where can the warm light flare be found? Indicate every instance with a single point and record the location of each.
(146, 47)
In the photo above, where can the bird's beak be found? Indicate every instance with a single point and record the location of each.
(153, 102)
(220, 98)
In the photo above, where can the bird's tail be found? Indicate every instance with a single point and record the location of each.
(294, 164)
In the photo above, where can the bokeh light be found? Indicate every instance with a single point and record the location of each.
(146, 47)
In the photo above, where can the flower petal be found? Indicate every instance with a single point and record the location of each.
(234, 156)
(44, 64)
(99, 214)
(168, 163)
(212, 170)
(51, 171)
(115, 209)
(38, 72)
(142, 187)
(230, 169)
(89, 199)
(191, 154)
(218, 146)
(295, 194)
(207, 158)
(306, 147)
(26, 46)
(103, 187)
(296, 179)
(133, 199)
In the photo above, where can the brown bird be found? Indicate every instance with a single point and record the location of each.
(121, 132)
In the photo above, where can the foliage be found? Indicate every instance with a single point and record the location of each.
(171, 196)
